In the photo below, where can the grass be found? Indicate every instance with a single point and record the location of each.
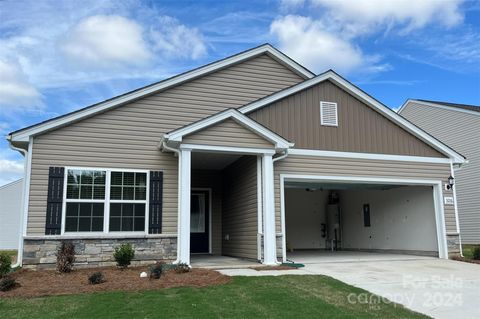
(245, 297)
(468, 250)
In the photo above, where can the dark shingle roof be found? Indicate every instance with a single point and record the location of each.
(460, 106)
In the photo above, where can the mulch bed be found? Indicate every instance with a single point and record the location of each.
(51, 283)
(467, 260)
(262, 268)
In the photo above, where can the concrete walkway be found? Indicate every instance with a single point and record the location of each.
(436, 287)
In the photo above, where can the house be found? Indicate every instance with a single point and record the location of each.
(10, 211)
(457, 125)
(213, 160)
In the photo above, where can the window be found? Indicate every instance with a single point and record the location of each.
(328, 114)
(366, 215)
(197, 214)
(105, 200)
(128, 195)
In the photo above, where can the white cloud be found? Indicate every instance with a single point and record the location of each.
(106, 41)
(10, 171)
(307, 41)
(365, 16)
(16, 93)
(174, 39)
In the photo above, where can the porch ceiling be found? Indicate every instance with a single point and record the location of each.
(213, 161)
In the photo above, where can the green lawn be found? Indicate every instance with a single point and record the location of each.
(245, 297)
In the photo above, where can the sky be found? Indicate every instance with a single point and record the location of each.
(59, 56)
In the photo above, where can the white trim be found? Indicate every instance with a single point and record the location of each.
(106, 202)
(322, 122)
(390, 114)
(245, 121)
(227, 149)
(437, 196)
(24, 135)
(259, 208)
(26, 199)
(209, 190)
(371, 156)
(282, 219)
(127, 235)
(183, 247)
(440, 106)
(269, 227)
(457, 221)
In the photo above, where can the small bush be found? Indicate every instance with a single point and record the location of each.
(182, 268)
(5, 264)
(156, 270)
(65, 257)
(123, 255)
(476, 253)
(7, 283)
(96, 278)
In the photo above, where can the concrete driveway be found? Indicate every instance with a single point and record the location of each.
(436, 287)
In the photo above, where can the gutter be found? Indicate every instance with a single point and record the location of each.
(23, 206)
(285, 154)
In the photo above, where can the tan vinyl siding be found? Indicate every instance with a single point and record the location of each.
(330, 166)
(461, 131)
(227, 133)
(213, 180)
(128, 136)
(360, 128)
(240, 208)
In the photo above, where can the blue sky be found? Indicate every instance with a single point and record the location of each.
(58, 56)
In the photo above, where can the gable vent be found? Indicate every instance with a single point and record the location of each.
(328, 114)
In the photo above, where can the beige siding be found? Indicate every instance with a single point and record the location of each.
(329, 166)
(461, 131)
(240, 208)
(128, 136)
(227, 133)
(212, 180)
(360, 128)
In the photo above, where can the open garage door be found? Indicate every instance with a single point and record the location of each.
(352, 216)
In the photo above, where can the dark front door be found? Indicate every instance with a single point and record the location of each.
(199, 223)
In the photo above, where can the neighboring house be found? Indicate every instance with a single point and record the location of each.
(211, 160)
(457, 125)
(10, 211)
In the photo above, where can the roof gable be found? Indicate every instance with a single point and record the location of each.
(363, 97)
(463, 108)
(24, 134)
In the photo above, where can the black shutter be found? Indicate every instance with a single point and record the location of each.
(54, 201)
(155, 201)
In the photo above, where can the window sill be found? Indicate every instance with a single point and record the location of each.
(101, 236)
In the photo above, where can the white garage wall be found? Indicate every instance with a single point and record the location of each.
(10, 210)
(304, 214)
(401, 219)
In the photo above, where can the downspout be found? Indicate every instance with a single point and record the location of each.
(282, 221)
(163, 146)
(285, 154)
(23, 208)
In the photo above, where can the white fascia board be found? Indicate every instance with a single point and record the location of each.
(439, 106)
(227, 149)
(243, 120)
(23, 135)
(387, 112)
(370, 156)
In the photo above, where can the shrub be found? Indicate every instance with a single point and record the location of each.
(123, 255)
(181, 268)
(7, 283)
(96, 278)
(476, 253)
(65, 257)
(156, 270)
(5, 264)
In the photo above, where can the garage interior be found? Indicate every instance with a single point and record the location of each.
(325, 219)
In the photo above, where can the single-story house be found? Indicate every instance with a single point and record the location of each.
(225, 159)
(10, 211)
(457, 125)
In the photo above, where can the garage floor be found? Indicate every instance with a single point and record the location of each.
(324, 256)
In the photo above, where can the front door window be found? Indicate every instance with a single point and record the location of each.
(197, 218)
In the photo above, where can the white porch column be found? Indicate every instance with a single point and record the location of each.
(269, 236)
(183, 244)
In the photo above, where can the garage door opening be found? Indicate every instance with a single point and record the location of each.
(383, 218)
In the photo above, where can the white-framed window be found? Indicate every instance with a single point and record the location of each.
(105, 201)
(328, 113)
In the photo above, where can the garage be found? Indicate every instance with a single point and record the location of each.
(364, 216)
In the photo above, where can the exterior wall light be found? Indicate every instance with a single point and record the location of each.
(451, 181)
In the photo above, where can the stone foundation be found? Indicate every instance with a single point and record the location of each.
(95, 252)
(453, 244)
